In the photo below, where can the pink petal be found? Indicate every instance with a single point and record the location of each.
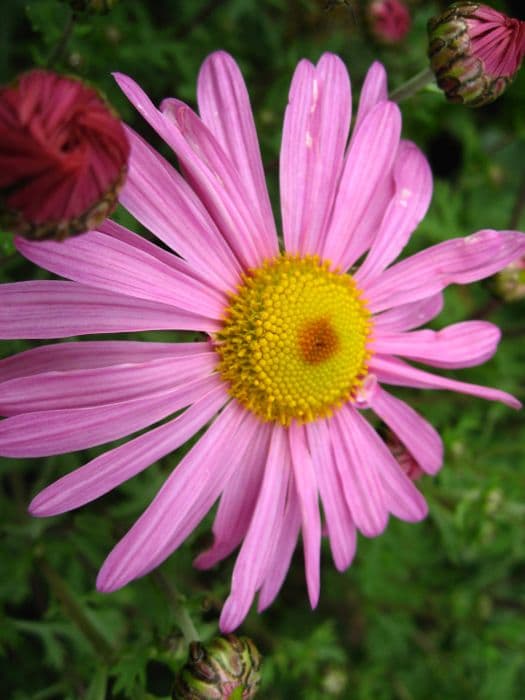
(233, 206)
(374, 90)
(401, 497)
(315, 132)
(55, 309)
(224, 106)
(182, 502)
(306, 486)
(212, 176)
(359, 476)
(102, 385)
(459, 345)
(44, 433)
(161, 200)
(101, 261)
(408, 316)
(90, 354)
(408, 206)
(238, 501)
(369, 160)
(393, 371)
(419, 437)
(341, 529)
(112, 468)
(457, 261)
(262, 534)
(279, 562)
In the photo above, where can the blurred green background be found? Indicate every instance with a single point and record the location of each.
(432, 611)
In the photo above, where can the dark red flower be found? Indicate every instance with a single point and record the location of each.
(63, 156)
(389, 20)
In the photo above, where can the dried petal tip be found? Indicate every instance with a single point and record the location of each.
(225, 668)
(400, 453)
(63, 156)
(509, 284)
(475, 52)
(389, 21)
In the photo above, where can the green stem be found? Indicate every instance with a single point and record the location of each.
(177, 601)
(415, 84)
(74, 611)
(61, 45)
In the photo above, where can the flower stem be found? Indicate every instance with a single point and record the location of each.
(180, 612)
(74, 611)
(415, 84)
(61, 45)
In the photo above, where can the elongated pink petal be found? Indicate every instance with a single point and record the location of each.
(341, 529)
(306, 486)
(56, 309)
(102, 385)
(409, 204)
(44, 433)
(408, 316)
(234, 198)
(457, 261)
(237, 502)
(91, 354)
(316, 127)
(401, 497)
(369, 160)
(374, 90)
(419, 437)
(359, 476)
(216, 182)
(459, 345)
(224, 106)
(101, 261)
(132, 240)
(292, 165)
(182, 502)
(161, 200)
(394, 371)
(279, 562)
(109, 470)
(262, 534)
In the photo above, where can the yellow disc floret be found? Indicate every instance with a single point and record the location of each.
(294, 340)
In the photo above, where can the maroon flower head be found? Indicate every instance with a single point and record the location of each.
(63, 156)
(475, 52)
(389, 20)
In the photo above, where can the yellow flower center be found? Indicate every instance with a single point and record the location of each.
(294, 340)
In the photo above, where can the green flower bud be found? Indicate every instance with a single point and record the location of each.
(475, 52)
(225, 668)
(509, 284)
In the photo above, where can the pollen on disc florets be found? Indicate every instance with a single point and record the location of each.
(294, 340)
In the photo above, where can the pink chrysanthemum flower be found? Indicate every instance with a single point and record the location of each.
(297, 343)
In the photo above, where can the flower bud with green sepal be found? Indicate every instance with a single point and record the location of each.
(226, 668)
(475, 52)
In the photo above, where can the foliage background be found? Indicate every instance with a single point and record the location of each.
(428, 611)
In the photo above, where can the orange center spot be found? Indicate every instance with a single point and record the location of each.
(317, 341)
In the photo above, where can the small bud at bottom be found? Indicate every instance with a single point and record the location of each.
(225, 668)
